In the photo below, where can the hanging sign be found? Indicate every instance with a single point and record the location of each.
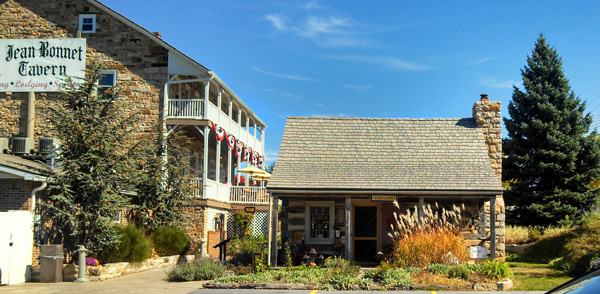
(383, 198)
(40, 65)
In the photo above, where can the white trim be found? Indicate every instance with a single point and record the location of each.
(307, 238)
(108, 71)
(87, 16)
(21, 174)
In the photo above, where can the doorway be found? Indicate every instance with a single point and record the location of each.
(366, 233)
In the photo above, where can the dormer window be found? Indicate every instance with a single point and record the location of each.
(87, 23)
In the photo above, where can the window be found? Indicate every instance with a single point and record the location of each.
(87, 23)
(108, 79)
(319, 221)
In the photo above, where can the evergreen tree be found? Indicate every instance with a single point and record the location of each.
(87, 191)
(161, 190)
(550, 156)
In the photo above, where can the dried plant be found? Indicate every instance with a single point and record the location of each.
(432, 237)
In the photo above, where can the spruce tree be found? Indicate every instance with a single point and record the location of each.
(550, 155)
(89, 190)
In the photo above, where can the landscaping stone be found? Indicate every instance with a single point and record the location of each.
(484, 287)
(505, 285)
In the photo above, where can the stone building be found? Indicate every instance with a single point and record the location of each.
(337, 179)
(159, 80)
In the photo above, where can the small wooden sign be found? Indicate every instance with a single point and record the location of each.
(383, 198)
(250, 209)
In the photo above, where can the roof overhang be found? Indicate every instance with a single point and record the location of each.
(13, 173)
(416, 192)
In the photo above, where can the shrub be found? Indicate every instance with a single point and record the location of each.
(495, 269)
(133, 246)
(430, 239)
(170, 241)
(204, 269)
(242, 221)
(533, 234)
(437, 268)
(516, 235)
(560, 264)
(241, 249)
(390, 276)
(459, 271)
(336, 262)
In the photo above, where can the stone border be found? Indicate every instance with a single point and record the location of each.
(114, 270)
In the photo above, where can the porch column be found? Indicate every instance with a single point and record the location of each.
(206, 99)
(229, 151)
(239, 161)
(204, 176)
(493, 228)
(274, 224)
(219, 101)
(218, 165)
(248, 124)
(262, 137)
(254, 129)
(348, 224)
(421, 204)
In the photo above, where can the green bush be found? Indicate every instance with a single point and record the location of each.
(436, 268)
(495, 269)
(241, 249)
(204, 269)
(560, 264)
(390, 276)
(534, 234)
(133, 247)
(459, 271)
(336, 262)
(243, 221)
(170, 241)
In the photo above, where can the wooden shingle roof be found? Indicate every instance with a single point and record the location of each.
(344, 154)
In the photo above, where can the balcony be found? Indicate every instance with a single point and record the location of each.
(229, 194)
(193, 109)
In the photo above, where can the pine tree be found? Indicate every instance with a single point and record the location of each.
(87, 192)
(550, 155)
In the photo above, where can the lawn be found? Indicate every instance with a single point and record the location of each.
(536, 276)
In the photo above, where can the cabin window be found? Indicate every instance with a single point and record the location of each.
(87, 23)
(319, 221)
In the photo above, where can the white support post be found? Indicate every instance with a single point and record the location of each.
(254, 129)
(206, 98)
(219, 100)
(348, 224)
(218, 165)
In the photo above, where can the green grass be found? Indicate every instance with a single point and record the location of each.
(536, 276)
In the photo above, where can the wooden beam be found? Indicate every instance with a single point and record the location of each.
(274, 230)
(349, 256)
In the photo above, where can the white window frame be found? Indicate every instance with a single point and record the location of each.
(307, 238)
(86, 16)
(114, 72)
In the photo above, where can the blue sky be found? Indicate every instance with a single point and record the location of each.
(374, 58)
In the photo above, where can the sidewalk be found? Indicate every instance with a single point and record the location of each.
(149, 282)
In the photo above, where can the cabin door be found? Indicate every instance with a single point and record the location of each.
(366, 233)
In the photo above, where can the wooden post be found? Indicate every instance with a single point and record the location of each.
(349, 256)
(274, 230)
(493, 228)
(421, 211)
(270, 229)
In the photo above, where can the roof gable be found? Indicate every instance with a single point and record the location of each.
(319, 153)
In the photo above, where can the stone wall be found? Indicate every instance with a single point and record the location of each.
(141, 63)
(487, 116)
(195, 227)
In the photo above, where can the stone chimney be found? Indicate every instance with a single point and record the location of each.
(487, 116)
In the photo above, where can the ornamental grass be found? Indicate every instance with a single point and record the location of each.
(430, 239)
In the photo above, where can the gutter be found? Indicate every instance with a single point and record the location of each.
(35, 190)
(423, 192)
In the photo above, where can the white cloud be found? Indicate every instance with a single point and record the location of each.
(384, 61)
(359, 88)
(283, 76)
(496, 83)
(278, 21)
(282, 93)
(319, 104)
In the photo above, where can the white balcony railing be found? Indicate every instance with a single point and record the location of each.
(185, 108)
(228, 194)
(254, 195)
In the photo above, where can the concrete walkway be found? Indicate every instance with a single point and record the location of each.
(150, 282)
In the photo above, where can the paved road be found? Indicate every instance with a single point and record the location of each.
(152, 282)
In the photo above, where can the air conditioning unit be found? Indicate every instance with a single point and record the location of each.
(3, 145)
(20, 145)
(48, 145)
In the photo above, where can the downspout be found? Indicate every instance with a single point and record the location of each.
(35, 190)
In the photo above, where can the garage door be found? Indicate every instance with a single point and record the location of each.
(16, 244)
